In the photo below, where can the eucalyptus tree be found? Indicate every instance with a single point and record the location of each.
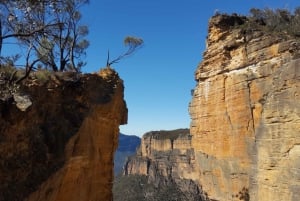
(16, 23)
(49, 30)
(63, 48)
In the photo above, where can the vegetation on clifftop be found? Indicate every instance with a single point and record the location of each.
(164, 134)
(279, 20)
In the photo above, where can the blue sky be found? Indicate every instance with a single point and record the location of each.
(159, 77)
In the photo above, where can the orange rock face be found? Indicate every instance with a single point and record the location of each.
(167, 159)
(166, 152)
(86, 172)
(246, 115)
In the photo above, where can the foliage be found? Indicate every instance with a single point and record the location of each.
(172, 134)
(48, 30)
(42, 75)
(7, 86)
(136, 187)
(133, 44)
(139, 187)
(275, 21)
(9, 60)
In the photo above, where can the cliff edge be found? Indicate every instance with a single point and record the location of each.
(58, 137)
(245, 113)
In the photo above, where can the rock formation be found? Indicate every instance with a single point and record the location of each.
(157, 148)
(167, 159)
(61, 147)
(245, 114)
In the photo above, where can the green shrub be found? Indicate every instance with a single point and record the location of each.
(42, 75)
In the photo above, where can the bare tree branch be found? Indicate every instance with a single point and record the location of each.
(41, 29)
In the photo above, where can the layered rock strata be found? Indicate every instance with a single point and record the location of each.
(245, 114)
(61, 147)
(167, 159)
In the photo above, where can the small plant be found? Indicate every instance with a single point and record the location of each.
(7, 70)
(133, 44)
(42, 75)
(7, 85)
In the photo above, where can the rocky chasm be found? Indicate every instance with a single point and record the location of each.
(61, 147)
(245, 114)
(58, 136)
(244, 138)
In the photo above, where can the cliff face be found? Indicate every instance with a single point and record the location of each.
(167, 159)
(61, 147)
(159, 149)
(246, 114)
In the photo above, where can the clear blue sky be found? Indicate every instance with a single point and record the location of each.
(159, 77)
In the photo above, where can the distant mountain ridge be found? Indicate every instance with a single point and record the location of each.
(128, 142)
(127, 147)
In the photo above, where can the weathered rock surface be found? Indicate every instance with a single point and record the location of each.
(170, 151)
(61, 147)
(167, 159)
(246, 114)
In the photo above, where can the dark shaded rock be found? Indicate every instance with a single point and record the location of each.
(46, 146)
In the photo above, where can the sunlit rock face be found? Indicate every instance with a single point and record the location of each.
(169, 151)
(61, 147)
(245, 114)
(167, 159)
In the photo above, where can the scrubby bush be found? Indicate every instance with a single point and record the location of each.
(279, 21)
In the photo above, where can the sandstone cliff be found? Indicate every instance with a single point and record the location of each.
(167, 159)
(61, 146)
(245, 114)
(160, 149)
